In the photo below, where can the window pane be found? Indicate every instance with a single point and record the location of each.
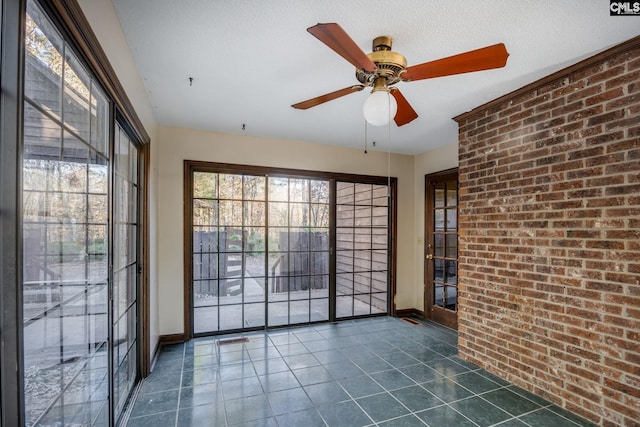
(299, 311)
(43, 61)
(319, 240)
(278, 313)
(344, 306)
(99, 120)
(230, 186)
(230, 316)
(230, 213)
(452, 193)
(380, 195)
(439, 222)
(278, 214)
(122, 153)
(319, 310)
(278, 239)
(278, 189)
(299, 190)
(452, 246)
(254, 213)
(345, 238)
(345, 193)
(319, 215)
(344, 215)
(438, 244)
(438, 270)
(319, 191)
(452, 272)
(254, 188)
(254, 315)
(439, 196)
(205, 212)
(41, 142)
(205, 185)
(451, 297)
(452, 220)
(439, 295)
(362, 194)
(77, 97)
(299, 215)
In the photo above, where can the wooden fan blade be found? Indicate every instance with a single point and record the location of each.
(337, 39)
(475, 60)
(327, 97)
(405, 113)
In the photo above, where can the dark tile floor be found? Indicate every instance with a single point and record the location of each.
(372, 372)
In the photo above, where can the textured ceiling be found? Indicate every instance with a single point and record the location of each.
(251, 59)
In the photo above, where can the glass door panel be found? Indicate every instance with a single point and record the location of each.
(228, 258)
(298, 250)
(362, 261)
(441, 237)
(65, 193)
(125, 268)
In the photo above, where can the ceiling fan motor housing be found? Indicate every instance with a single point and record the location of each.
(389, 65)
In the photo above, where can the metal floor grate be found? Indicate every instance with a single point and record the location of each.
(232, 341)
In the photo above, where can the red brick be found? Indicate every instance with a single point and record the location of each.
(550, 241)
(624, 79)
(616, 92)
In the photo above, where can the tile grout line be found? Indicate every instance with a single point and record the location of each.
(184, 351)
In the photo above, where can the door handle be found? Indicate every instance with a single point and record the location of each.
(429, 256)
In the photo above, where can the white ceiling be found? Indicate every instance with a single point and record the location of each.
(251, 59)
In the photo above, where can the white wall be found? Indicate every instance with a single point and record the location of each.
(177, 145)
(170, 146)
(105, 24)
(436, 160)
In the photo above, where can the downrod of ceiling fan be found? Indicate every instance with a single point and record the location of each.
(380, 84)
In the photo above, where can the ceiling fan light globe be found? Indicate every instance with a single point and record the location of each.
(379, 108)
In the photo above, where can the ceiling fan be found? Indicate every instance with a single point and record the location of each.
(383, 68)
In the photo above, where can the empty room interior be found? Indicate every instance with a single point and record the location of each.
(301, 213)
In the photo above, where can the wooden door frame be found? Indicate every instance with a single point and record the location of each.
(432, 312)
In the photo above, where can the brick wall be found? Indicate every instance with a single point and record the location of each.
(550, 237)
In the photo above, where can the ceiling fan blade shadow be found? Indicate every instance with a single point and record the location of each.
(405, 113)
(337, 39)
(486, 58)
(327, 97)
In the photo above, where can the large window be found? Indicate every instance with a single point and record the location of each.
(261, 251)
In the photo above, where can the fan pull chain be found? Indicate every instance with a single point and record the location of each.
(365, 136)
(389, 152)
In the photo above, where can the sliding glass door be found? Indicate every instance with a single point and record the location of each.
(80, 240)
(65, 234)
(260, 249)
